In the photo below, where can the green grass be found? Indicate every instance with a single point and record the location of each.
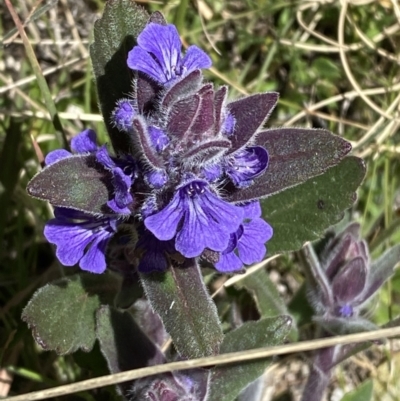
(256, 45)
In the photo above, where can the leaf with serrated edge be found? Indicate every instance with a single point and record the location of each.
(189, 314)
(115, 34)
(62, 314)
(77, 182)
(304, 212)
(228, 381)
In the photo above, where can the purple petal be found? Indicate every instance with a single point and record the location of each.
(228, 125)
(157, 178)
(212, 173)
(195, 58)
(103, 157)
(140, 60)
(251, 244)
(208, 221)
(80, 238)
(122, 185)
(85, 141)
(164, 45)
(56, 155)
(70, 240)
(94, 260)
(252, 210)
(158, 137)
(346, 311)
(112, 204)
(123, 114)
(165, 223)
(229, 262)
(246, 165)
(350, 281)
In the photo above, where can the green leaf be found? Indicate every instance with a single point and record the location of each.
(228, 381)
(268, 300)
(186, 309)
(81, 183)
(304, 212)
(62, 314)
(115, 35)
(123, 343)
(362, 393)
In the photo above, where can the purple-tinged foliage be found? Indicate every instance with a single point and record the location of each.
(343, 279)
(80, 238)
(123, 114)
(192, 163)
(158, 54)
(175, 386)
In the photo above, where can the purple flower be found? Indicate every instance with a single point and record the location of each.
(84, 142)
(122, 181)
(123, 114)
(246, 164)
(198, 218)
(154, 253)
(183, 151)
(158, 54)
(81, 238)
(247, 244)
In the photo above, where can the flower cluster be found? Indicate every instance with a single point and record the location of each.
(189, 151)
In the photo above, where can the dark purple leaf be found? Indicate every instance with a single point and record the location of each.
(182, 115)
(335, 258)
(204, 121)
(149, 322)
(219, 102)
(206, 150)
(250, 114)
(157, 18)
(350, 281)
(76, 182)
(295, 155)
(145, 90)
(183, 88)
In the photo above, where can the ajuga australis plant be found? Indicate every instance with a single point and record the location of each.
(190, 178)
